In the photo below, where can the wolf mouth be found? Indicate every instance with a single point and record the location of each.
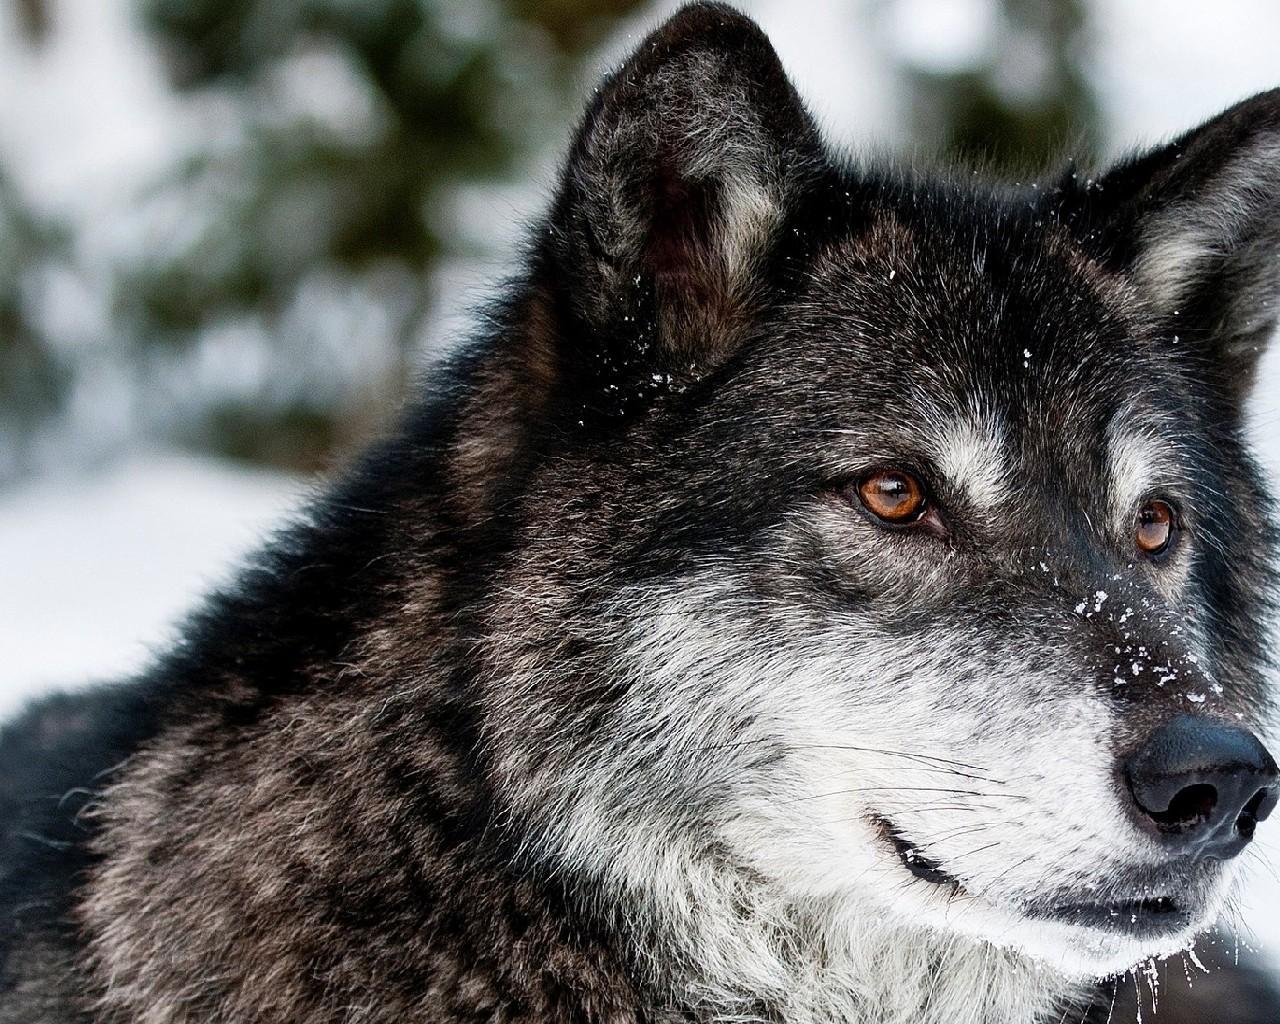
(922, 867)
(1150, 915)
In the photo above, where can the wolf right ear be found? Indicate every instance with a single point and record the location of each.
(1195, 225)
(671, 198)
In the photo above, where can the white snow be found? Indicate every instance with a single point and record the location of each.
(94, 90)
(95, 570)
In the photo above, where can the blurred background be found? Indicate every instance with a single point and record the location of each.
(230, 230)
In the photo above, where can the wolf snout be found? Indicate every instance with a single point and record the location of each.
(1204, 786)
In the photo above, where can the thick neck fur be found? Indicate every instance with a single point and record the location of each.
(724, 945)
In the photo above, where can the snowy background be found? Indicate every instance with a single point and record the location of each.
(109, 533)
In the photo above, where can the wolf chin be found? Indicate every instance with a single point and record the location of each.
(822, 592)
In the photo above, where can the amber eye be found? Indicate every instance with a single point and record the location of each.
(1155, 527)
(893, 496)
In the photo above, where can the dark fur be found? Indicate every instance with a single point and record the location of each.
(314, 810)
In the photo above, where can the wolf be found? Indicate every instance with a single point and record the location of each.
(821, 592)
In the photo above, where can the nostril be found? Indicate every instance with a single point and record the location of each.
(1266, 799)
(1256, 810)
(1189, 809)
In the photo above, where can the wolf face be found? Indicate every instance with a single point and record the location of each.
(899, 565)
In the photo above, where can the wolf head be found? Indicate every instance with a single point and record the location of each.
(891, 556)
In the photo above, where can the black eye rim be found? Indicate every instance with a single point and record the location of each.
(928, 519)
(1176, 529)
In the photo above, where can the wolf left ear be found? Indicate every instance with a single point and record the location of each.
(1195, 224)
(671, 199)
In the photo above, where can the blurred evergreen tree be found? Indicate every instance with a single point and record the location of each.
(33, 19)
(33, 373)
(1026, 100)
(447, 92)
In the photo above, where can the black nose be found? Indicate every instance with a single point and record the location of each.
(1205, 785)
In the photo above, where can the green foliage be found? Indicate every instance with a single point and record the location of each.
(33, 375)
(1025, 102)
(448, 104)
(446, 92)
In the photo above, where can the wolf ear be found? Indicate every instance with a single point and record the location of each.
(672, 195)
(1196, 225)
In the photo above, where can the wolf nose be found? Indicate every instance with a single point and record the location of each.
(1204, 785)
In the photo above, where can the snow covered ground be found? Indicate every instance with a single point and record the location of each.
(96, 571)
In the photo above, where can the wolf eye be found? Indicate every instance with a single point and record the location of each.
(893, 496)
(1154, 530)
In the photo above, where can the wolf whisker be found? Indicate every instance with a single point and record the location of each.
(913, 789)
(892, 753)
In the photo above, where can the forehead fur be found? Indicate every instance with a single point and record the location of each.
(970, 450)
(1144, 454)
(940, 290)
